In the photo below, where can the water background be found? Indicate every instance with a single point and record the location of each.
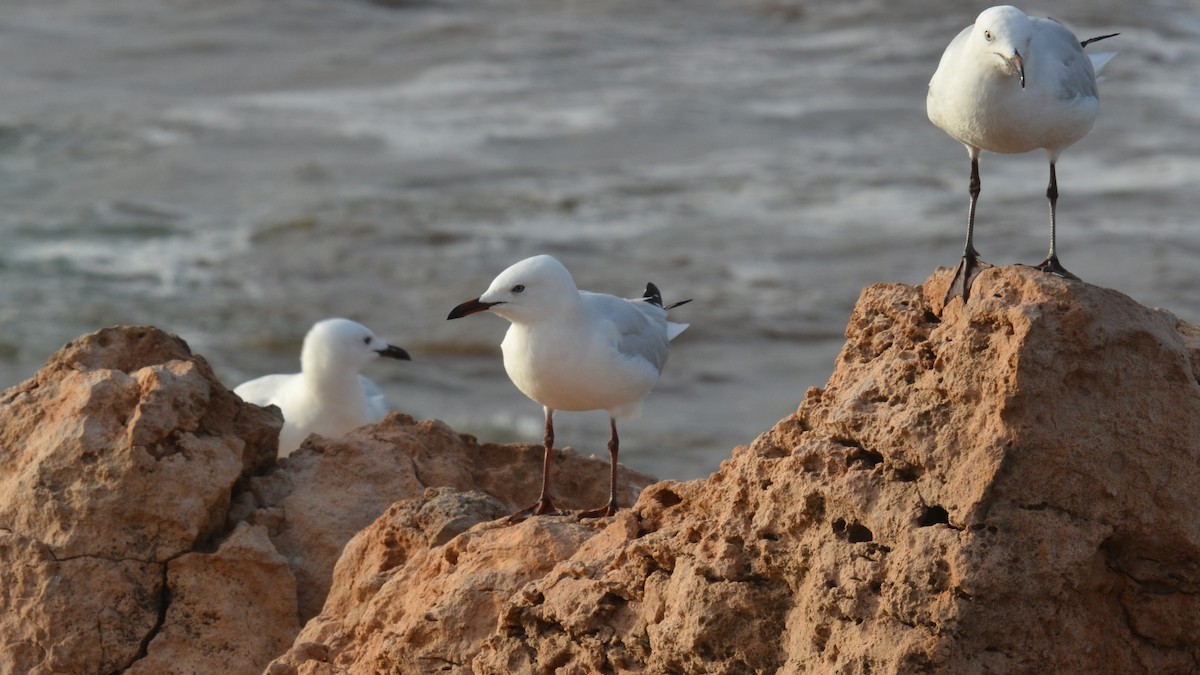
(234, 171)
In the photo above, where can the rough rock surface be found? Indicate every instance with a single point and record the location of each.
(230, 611)
(321, 495)
(1008, 486)
(145, 526)
(117, 458)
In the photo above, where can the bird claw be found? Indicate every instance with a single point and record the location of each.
(968, 268)
(542, 507)
(1052, 266)
(609, 509)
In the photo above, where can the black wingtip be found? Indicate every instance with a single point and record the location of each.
(1096, 39)
(674, 305)
(652, 295)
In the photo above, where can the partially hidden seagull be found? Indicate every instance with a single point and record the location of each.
(328, 396)
(575, 350)
(1012, 83)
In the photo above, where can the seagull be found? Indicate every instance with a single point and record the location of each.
(1012, 83)
(575, 350)
(328, 396)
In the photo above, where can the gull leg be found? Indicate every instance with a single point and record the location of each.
(970, 265)
(543, 505)
(610, 508)
(1051, 264)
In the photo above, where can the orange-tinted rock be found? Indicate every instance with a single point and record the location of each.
(329, 489)
(144, 524)
(230, 611)
(1006, 486)
(117, 457)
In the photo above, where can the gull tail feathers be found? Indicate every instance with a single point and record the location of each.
(1099, 59)
(654, 297)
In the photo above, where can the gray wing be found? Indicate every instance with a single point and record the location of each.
(1059, 47)
(639, 327)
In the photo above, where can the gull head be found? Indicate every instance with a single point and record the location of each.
(1004, 33)
(528, 291)
(343, 345)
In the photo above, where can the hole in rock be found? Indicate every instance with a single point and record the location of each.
(667, 498)
(839, 527)
(933, 515)
(868, 459)
(857, 532)
(848, 442)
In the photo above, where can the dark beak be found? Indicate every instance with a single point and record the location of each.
(1020, 66)
(470, 307)
(394, 352)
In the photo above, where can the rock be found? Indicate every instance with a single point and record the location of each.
(465, 586)
(145, 526)
(1005, 486)
(329, 489)
(230, 611)
(72, 615)
(118, 457)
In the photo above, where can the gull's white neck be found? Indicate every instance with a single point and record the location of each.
(335, 384)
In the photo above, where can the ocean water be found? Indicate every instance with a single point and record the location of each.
(234, 171)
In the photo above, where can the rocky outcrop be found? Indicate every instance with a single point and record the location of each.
(145, 526)
(320, 497)
(117, 459)
(1004, 486)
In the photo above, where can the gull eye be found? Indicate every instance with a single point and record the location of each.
(367, 340)
(987, 35)
(519, 288)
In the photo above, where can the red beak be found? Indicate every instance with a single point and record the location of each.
(470, 307)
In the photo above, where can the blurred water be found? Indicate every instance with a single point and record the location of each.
(233, 172)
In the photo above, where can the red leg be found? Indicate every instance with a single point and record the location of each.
(544, 505)
(610, 508)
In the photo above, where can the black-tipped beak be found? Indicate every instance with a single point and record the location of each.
(1020, 63)
(394, 352)
(470, 307)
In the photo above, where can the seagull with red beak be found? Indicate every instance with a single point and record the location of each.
(574, 350)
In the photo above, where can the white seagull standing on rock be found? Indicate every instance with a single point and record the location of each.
(1013, 83)
(328, 396)
(569, 349)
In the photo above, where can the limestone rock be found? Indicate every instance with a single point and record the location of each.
(116, 458)
(145, 526)
(1008, 486)
(324, 493)
(230, 611)
(72, 615)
